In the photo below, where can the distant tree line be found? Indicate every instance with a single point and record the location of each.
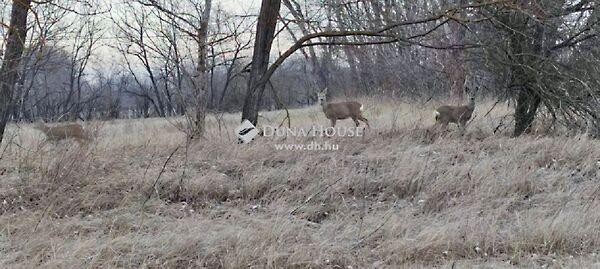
(68, 60)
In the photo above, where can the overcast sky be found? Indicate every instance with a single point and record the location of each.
(239, 6)
(106, 58)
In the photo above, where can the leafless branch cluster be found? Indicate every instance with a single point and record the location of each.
(85, 60)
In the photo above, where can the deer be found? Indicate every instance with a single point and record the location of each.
(458, 115)
(57, 133)
(341, 110)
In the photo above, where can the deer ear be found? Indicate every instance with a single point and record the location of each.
(325, 90)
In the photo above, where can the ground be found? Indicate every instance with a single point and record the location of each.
(402, 195)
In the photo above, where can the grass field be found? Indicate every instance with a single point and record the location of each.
(402, 195)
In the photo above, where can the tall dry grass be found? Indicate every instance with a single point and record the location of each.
(401, 196)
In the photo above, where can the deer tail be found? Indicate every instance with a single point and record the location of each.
(361, 107)
(436, 115)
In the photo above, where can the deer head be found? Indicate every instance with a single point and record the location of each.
(322, 96)
(457, 114)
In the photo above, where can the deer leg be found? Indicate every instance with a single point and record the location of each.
(444, 125)
(363, 119)
(438, 126)
(461, 128)
(355, 121)
(333, 122)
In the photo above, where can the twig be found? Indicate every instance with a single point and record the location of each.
(315, 194)
(501, 123)
(185, 163)
(162, 170)
(494, 106)
(385, 220)
(281, 104)
(364, 204)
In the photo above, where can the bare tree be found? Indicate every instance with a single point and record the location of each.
(261, 72)
(201, 80)
(196, 26)
(15, 41)
(137, 46)
(84, 43)
(536, 46)
(265, 32)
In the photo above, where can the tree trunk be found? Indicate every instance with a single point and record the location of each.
(456, 63)
(201, 72)
(527, 104)
(265, 31)
(15, 43)
(528, 100)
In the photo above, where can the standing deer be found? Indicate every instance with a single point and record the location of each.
(341, 110)
(57, 133)
(456, 114)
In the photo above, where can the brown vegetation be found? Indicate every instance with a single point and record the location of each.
(138, 197)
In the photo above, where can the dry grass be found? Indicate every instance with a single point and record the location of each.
(400, 196)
